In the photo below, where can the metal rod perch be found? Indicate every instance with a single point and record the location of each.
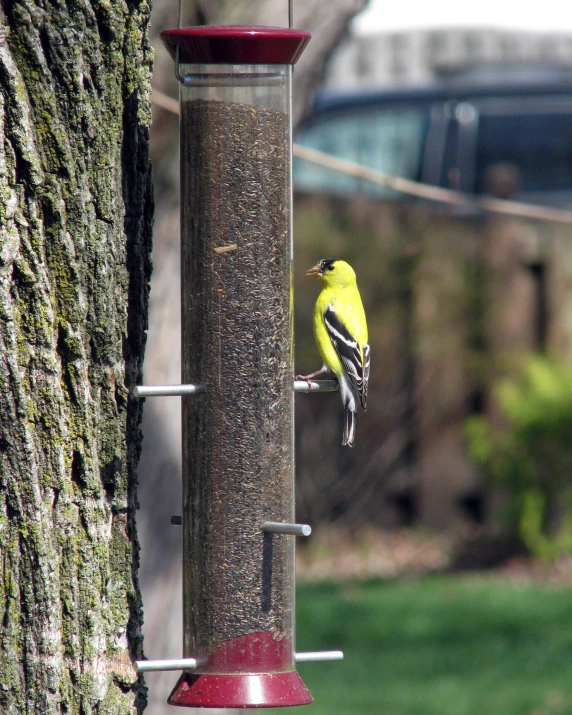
(150, 666)
(273, 527)
(180, 390)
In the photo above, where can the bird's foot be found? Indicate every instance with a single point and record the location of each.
(307, 379)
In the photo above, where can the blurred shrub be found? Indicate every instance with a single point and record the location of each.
(528, 453)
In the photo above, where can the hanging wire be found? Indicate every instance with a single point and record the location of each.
(179, 25)
(178, 74)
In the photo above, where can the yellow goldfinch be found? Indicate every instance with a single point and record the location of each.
(340, 329)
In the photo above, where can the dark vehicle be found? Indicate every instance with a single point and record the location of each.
(450, 133)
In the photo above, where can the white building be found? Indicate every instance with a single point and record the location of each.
(416, 56)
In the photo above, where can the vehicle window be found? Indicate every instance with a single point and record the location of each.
(539, 144)
(389, 141)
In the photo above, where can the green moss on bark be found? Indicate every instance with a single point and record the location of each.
(75, 229)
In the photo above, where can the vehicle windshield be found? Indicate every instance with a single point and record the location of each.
(538, 144)
(390, 141)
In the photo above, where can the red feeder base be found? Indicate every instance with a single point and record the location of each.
(259, 690)
(250, 671)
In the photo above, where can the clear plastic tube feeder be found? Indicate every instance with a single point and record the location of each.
(237, 320)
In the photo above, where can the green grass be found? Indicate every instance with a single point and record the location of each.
(438, 646)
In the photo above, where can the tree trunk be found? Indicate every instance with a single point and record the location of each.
(75, 234)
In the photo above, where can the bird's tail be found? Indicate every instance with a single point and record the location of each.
(350, 409)
(349, 427)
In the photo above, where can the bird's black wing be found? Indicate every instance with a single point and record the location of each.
(349, 353)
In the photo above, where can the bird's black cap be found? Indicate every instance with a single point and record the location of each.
(326, 264)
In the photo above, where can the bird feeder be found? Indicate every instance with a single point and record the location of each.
(237, 367)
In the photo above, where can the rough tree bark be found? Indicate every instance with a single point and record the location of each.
(75, 233)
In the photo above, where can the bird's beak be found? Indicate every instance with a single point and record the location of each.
(315, 271)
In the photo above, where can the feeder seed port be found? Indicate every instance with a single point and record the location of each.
(180, 390)
(151, 666)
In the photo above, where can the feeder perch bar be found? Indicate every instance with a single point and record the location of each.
(167, 390)
(154, 666)
(270, 527)
(180, 390)
(273, 527)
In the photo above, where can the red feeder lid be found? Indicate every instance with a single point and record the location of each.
(236, 44)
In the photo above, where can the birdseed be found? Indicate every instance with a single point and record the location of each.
(237, 340)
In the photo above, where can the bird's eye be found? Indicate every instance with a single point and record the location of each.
(330, 267)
